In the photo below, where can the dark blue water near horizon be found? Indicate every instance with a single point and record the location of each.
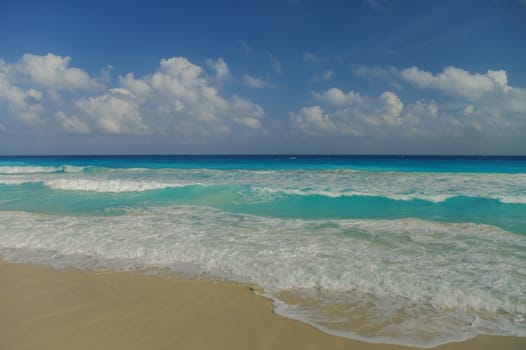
(408, 163)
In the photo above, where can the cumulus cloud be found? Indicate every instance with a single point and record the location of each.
(256, 83)
(337, 97)
(387, 116)
(481, 103)
(247, 113)
(493, 106)
(188, 103)
(21, 104)
(183, 100)
(348, 113)
(178, 98)
(53, 72)
(392, 107)
(458, 82)
(27, 84)
(501, 113)
(115, 112)
(312, 120)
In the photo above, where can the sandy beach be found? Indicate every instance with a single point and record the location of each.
(43, 308)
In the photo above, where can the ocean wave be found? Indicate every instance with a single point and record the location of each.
(23, 169)
(268, 192)
(437, 198)
(432, 282)
(250, 193)
(6, 180)
(112, 186)
(30, 169)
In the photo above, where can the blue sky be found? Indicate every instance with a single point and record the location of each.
(366, 76)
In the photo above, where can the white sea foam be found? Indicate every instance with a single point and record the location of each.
(422, 283)
(106, 185)
(437, 198)
(74, 168)
(14, 180)
(31, 169)
(26, 169)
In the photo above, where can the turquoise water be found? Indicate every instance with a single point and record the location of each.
(431, 249)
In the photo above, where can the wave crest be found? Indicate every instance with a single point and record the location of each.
(114, 186)
(31, 169)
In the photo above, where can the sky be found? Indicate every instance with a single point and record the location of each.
(263, 77)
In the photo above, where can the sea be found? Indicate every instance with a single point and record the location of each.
(411, 250)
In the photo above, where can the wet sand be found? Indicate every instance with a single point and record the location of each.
(43, 308)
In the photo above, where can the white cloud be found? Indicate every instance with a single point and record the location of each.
(140, 87)
(247, 113)
(501, 114)
(220, 68)
(458, 82)
(115, 112)
(180, 99)
(420, 118)
(177, 98)
(492, 105)
(36, 80)
(53, 72)
(256, 83)
(392, 107)
(22, 105)
(313, 120)
(337, 97)
(349, 113)
(186, 102)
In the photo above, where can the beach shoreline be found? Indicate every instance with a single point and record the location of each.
(45, 308)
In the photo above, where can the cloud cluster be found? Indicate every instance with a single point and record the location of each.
(349, 113)
(484, 104)
(53, 72)
(458, 82)
(178, 98)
